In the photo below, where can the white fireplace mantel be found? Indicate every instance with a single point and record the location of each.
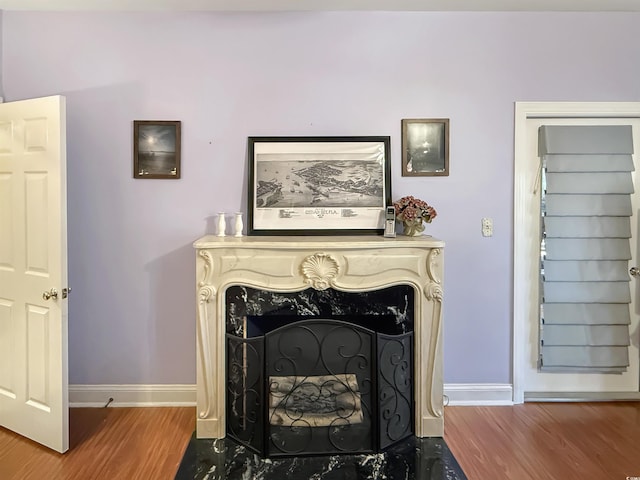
(346, 263)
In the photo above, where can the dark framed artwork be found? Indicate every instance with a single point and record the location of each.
(425, 147)
(156, 149)
(318, 185)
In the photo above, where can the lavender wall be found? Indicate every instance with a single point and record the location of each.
(229, 76)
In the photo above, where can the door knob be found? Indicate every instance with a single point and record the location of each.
(634, 271)
(51, 293)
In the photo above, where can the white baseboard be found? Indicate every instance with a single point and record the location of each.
(581, 396)
(478, 394)
(185, 395)
(132, 395)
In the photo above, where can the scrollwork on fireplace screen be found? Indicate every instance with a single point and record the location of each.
(245, 390)
(328, 387)
(395, 387)
(320, 388)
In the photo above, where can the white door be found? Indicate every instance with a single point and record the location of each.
(527, 377)
(33, 271)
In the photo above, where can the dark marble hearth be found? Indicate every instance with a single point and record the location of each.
(412, 459)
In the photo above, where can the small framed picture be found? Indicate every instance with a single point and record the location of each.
(156, 149)
(425, 147)
(318, 185)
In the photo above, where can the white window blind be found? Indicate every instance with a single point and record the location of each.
(585, 249)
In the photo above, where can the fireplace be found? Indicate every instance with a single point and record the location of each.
(386, 293)
(319, 372)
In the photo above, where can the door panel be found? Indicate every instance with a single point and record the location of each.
(37, 248)
(33, 260)
(535, 381)
(7, 349)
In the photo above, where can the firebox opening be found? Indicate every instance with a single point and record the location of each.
(299, 384)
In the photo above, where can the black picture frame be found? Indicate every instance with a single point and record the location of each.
(156, 149)
(425, 147)
(318, 185)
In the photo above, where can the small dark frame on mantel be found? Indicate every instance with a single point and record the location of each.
(425, 147)
(156, 149)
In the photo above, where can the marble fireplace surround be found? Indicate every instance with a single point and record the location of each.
(291, 264)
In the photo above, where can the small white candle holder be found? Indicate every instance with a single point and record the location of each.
(222, 225)
(239, 224)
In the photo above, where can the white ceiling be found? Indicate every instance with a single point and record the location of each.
(326, 5)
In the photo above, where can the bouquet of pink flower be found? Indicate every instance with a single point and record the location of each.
(410, 209)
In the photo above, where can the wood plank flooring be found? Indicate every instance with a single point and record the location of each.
(105, 444)
(537, 441)
(546, 441)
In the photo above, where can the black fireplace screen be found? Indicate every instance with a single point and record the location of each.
(319, 386)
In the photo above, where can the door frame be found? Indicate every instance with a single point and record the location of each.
(521, 200)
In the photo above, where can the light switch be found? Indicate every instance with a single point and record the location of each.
(487, 227)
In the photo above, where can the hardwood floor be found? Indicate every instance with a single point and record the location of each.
(105, 444)
(546, 441)
(541, 441)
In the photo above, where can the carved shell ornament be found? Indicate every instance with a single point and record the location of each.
(320, 270)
